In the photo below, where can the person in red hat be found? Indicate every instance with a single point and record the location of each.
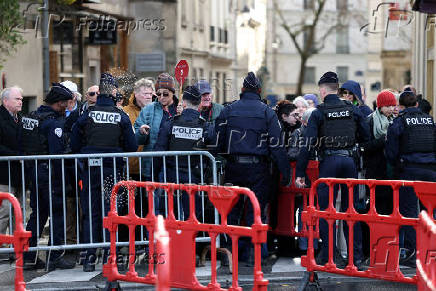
(373, 156)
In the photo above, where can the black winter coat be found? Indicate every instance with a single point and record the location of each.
(10, 145)
(374, 159)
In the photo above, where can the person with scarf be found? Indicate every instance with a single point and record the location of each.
(373, 151)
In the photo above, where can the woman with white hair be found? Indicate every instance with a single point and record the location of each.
(302, 105)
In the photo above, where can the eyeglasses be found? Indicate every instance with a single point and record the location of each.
(166, 94)
(346, 92)
(92, 93)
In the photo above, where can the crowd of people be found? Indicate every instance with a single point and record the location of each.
(396, 140)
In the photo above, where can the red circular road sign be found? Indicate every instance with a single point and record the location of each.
(181, 72)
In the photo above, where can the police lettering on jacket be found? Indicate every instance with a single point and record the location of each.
(419, 121)
(29, 123)
(105, 117)
(187, 132)
(339, 114)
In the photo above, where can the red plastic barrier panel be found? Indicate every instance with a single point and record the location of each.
(286, 224)
(426, 253)
(383, 229)
(20, 240)
(163, 247)
(182, 235)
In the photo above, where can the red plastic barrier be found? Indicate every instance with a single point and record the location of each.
(19, 239)
(162, 247)
(182, 235)
(384, 229)
(426, 253)
(286, 225)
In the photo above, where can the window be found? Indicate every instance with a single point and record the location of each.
(342, 74)
(226, 36)
(342, 46)
(308, 4)
(212, 33)
(221, 35)
(309, 75)
(341, 5)
(184, 21)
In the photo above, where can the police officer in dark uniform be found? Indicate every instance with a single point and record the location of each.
(248, 133)
(102, 129)
(186, 132)
(411, 147)
(335, 127)
(43, 134)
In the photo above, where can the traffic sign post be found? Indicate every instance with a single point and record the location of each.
(181, 72)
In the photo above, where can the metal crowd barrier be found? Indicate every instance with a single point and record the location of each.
(66, 181)
(182, 236)
(384, 229)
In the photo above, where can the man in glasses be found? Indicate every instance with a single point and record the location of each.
(351, 91)
(209, 110)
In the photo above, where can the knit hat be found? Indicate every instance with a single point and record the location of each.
(311, 97)
(165, 81)
(58, 92)
(251, 82)
(386, 98)
(328, 78)
(107, 79)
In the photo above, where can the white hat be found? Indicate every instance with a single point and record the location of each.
(70, 85)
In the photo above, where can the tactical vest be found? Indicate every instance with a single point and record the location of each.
(419, 135)
(338, 129)
(34, 141)
(103, 128)
(186, 134)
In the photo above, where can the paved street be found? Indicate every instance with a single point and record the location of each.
(286, 275)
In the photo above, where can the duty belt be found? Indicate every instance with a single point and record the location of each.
(420, 166)
(343, 153)
(241, 159)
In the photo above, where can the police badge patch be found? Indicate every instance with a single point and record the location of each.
(58, 131)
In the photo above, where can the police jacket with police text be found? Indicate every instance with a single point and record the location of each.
(411, 138)
(335, 124)
(43, 132)
(186, 132)
(249, 127)
(103, 129)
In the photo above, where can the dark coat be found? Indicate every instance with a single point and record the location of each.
(374, 159)
(10, 140)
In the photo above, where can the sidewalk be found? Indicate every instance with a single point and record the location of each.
(286, 275)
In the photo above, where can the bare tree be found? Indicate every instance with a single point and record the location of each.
(309, 27)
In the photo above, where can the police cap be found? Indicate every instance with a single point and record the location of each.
(192, 94)
(58, 92)
(329, 78)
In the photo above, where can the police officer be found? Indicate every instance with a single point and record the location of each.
(104, 128)
(248, 133)
(43, 133)
(186, 132)
(334, 127)
(411, 147)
